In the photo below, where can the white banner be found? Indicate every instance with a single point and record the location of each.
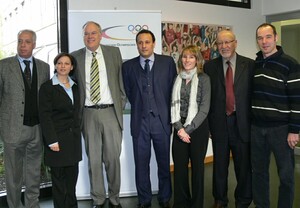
(119, 28)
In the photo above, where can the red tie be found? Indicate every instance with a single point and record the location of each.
(229, 90)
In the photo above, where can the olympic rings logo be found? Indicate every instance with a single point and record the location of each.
(137, 28)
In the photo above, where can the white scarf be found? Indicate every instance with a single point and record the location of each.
(193, 105)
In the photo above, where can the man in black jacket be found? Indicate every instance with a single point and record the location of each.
(229, 119)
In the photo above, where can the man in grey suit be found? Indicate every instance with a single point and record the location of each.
(20, 79)
(229, 119)
(102, 111)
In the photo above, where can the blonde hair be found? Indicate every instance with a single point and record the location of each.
(193, 50)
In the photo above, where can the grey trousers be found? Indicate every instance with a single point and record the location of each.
(22, 167)
(103, 140)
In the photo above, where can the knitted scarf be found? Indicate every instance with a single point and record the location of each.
(193, 105)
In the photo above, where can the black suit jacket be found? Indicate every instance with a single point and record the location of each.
(242, 90)
(60, 123)
(164, 72)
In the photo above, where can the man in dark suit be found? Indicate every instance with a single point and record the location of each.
(20, 79)
(229, 119)
(102, 110)
(148, 81)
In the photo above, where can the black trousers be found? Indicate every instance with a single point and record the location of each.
(242, 166)
(64, 181)
(195, 153)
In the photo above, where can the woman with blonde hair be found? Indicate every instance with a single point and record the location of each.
(189, 109)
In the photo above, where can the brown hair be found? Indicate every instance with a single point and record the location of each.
(72, 59)
(194, 50)
(267, 25)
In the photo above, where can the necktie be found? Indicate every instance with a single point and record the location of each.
(27, 72)
(147, 66)
(94, 80)
(229, 90)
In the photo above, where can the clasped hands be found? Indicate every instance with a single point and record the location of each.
(184, 136)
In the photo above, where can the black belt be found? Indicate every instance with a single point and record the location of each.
(101, 106)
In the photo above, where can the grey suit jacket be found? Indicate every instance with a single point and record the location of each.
(113, 62)
(12, 96)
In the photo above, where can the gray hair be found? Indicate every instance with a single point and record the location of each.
(28, 31)
(92, 22)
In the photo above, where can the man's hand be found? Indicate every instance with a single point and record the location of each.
(293, 139)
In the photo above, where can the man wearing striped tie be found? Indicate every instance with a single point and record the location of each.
(102, 99)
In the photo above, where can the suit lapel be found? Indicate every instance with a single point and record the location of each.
(220, 71)
(156, 77)
(81, 68)
(239, 68)
(62, 91)
(38, 72)
(137, 72)
(75, 96)
(108, 64)
(16, 69)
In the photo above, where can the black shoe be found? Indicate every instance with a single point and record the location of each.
(144, 205)
(164, 204)
(114, 206)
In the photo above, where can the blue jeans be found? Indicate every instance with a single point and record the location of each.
(263, 142)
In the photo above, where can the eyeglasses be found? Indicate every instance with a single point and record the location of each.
(225, 42)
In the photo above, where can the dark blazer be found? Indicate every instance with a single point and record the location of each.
(12, 96)
(164, 72)
(60, 123)
(242, 90)
(113, 62)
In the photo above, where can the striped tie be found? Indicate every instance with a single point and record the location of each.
(95, 83)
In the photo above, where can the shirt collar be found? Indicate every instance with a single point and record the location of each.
(21, 59)
(151, 58)
(98, 50)
(232, 60)
(55, 81)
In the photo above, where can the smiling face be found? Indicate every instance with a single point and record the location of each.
(266, 40)
(145, 45)
(227, 44)
(26, 44)
(189, 61)
(92, 36)
(63, 66)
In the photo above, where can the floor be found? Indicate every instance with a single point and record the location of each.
(130, 202)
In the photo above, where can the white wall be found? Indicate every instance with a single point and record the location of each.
(244, 21)
(270, 7)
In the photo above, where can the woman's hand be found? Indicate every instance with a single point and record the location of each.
(184, 136)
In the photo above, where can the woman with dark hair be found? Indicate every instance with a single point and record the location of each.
(59, 118)
(189, 109)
